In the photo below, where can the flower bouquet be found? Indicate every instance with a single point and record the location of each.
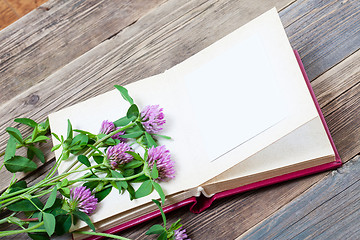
(124, 153)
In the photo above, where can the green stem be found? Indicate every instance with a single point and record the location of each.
(108, 179)
(100, 141)
(55, 168)
(31, 229)
(5, 220)
(14, 197)
(102, 234)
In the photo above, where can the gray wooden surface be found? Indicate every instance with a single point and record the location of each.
(68, 51)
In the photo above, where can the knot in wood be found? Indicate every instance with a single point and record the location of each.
(33, 99)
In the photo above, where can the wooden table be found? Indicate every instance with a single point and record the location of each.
(67, 51)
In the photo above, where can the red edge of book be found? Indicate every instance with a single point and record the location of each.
(199, 205)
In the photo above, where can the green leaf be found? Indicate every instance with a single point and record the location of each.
(128, 172)
(84, 160)
(56, 147)
(98, 159)
(10, 148)
(150, 140)
(65, 192)
(55, 209)
(49, 223)
(163, 236)
(124, 93)
(135, 155)
(64, 182)
(40, 138)
(15, 133)
(51, 200)
(63, 224)
(80, 139)
(56, 136)
(110, 141)
(175, 225)
(69, 131)
(44, 126)
(85, 218)
(133, 135)
(27, 121)
(20, 185)
(20, 164)
(85, 133)
(133, 164)
(39, 154)
(103, 193)
(145, 189)
(161, 211)
(122, 122)
(163, 136)
(133, 112)
(38, 236)
(25, 205)
(131, 191)
(155, 229)
(119, 184)
(30, 154)
(142, 178)
(34, 133)
(140, 126)
(160, 191)
(154, 172)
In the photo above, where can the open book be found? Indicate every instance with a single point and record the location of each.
(240, 115)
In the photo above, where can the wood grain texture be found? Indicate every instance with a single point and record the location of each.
(324, 32)
(57, 33)
(22, 7)
(338, 93)
(164, 37)
(7, 14)
(323, 212)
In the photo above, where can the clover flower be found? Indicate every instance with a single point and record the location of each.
(164, 164)
(152, 118)
(108, 127)
(180, 234)
(117, 154)
(81, 198)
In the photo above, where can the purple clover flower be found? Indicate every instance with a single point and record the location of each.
(164, 164)
(152, 118)
(81, 198)
(108, 127)
(117, 154)
(180, 234)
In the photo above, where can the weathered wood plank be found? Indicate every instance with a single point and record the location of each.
(324, 32)
(55, 34)
(338, 93)
(145, 54)
(7, 15)
(323, 212)
(336, 81)
(23, 7)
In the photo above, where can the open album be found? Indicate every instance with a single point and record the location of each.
(241, 114)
